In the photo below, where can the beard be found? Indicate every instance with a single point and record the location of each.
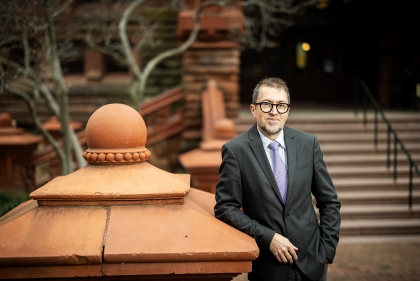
(272, 130)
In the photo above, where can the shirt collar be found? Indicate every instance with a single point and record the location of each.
(280, 138)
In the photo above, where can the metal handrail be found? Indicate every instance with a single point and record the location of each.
(397, 141)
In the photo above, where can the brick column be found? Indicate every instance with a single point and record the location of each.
(202, 62)
(215, 55)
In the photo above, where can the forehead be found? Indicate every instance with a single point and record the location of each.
(272, 94)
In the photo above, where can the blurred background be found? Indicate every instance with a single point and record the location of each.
(189, 67)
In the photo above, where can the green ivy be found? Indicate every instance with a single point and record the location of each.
(9, 200)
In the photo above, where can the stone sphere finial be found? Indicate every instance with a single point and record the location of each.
(6, 119)
(116, 134)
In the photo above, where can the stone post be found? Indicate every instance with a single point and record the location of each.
(214, 56)
(120, 218)
(16, 149)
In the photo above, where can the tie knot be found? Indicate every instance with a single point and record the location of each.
(274, 145)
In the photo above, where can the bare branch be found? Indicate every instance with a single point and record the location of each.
(37, 122)
(183, 47)
(266, 19)
(27, 53)
(106, 51)
(34, 83)
(17, 67)
(62, 9)
(124, 38)
(147, 37)
(61, 86)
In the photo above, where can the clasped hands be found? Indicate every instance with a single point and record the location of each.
(283, 249)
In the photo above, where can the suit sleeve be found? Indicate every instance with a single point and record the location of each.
(327, 202)
(229, 201)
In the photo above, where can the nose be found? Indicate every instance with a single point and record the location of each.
(273, 110)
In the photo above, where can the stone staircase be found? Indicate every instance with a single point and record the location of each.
(372, 202)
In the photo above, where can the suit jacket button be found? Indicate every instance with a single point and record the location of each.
(287, 215)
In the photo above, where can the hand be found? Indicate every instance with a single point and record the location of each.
(283, 249)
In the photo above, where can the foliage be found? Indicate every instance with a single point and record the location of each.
(9, 200)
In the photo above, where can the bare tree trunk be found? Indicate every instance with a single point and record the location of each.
(61, 88)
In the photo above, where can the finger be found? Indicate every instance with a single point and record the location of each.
(293, 255)
(278, 258)
(289, 258)
(283, 259)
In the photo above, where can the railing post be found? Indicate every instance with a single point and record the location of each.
(375, 141)
(388, 148)
(356, 97)
(410, 186)
(395, 157)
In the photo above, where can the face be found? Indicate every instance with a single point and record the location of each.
(270, 124)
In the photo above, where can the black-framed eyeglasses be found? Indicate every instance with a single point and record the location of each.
(266, 107)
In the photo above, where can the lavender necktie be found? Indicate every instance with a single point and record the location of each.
(279, 170)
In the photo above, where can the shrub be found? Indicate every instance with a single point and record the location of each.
(10, 199)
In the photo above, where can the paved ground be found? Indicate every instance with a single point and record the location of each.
(374, 258)
(377, 258)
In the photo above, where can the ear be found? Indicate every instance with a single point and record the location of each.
(252, 108)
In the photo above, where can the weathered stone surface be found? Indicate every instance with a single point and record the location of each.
(103, 185)
(122, 221)
(187, 233)
(33, 236)
(205, 174)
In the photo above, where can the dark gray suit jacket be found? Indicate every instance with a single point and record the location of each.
(247, 182)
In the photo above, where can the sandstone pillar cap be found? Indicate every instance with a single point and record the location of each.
(118, 172)
(120, 219)
(10, 135)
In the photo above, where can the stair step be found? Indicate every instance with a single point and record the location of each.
(368, 171)
(353, 127)
(366, 159)
(377, 197)
(370, 149)
(360, 137)
(372, 184)
(379, 211)
(352, 227)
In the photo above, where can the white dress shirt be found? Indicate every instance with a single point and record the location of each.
(266, 141)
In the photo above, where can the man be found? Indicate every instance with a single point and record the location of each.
(275, 207)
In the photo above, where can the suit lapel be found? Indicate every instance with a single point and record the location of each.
(291, 151)
(257, 148)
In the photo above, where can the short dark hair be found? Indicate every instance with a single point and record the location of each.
(272, 82)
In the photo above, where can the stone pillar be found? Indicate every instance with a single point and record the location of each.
(200, 64)
(94, 65)
(217, 130)
(214, 56)
(16, 149)
(120, 218)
